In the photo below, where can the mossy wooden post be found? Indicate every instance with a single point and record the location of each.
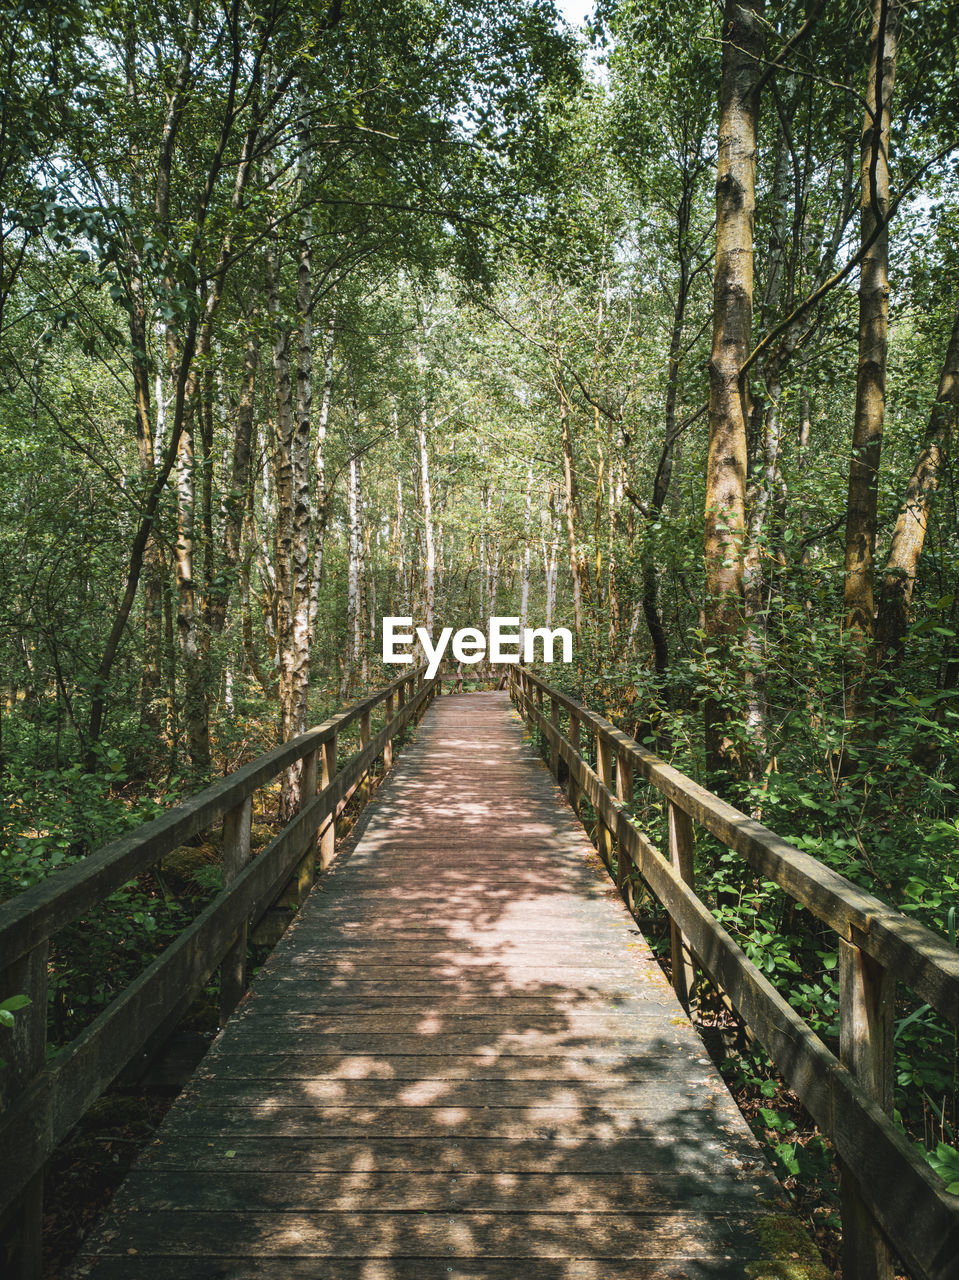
(604, 769)
(24, 1047)
(236, 855)
(302, 883)
(388, 749)
(682, 847)
(554, 721)
(867, 1003)
(365, 785)
(539, 708)
(624, 793)
(328, 831)
(572, 790)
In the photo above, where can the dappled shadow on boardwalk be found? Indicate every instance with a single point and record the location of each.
(461, 1062)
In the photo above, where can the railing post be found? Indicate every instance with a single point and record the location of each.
(388, 748)
(682, 847)
(236, 855)
(604, 768)
(572, 789)
(24, 1047)
(327, 774)
(867, 1002)
(301, 882)
(306, 871)
(539, 707)
(365, 787)
(624, 794)
(554, 721)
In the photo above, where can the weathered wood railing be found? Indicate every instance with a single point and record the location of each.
(890, 1196)
(43, 1102)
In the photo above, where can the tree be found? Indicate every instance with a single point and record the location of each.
(732, 341)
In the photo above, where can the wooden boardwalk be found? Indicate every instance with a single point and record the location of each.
(461, 1062)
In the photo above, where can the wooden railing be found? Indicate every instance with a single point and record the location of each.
(890, 1195)
(43, 1102)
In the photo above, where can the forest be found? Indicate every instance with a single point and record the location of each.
(647, 328)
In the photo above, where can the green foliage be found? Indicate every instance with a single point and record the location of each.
(945, 1161)
(55, 817)
(10, 1006)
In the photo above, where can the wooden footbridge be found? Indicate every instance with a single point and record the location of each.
(462, 1060)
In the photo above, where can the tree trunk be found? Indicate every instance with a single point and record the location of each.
(732, 337)
(909, 534)
(321, 505)
(805, 435)
(615, 502)
(861, 517)
(195, 702)
(550, 534)
(354, 604)
(484, 521)
(284, 487)
(572, 514)
(238, 484)
(524, 579)
(426, 498)
(766, 478)
(298, 639)
(139, 342)
(399, 527)
(495, 561)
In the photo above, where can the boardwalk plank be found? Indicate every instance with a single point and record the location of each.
(682, 1234)
(702, 1155)
(353, 1190)
(451, 1267)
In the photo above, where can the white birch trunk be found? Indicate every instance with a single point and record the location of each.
(320, 505)
(399, 534)
(429, 584)
(524, 580)
(354, 569)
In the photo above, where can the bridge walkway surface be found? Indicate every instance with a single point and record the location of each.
(462, 1062)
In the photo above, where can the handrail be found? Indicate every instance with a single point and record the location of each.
(45, 908)
(44, 1101)
(888, 1190)
(923, 960)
